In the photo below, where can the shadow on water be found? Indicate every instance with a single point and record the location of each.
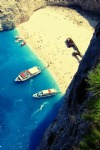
(36, 136)
(92, 18)
(6, 105)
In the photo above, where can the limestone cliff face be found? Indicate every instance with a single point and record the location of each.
(89, 5)
(68, 129)
(14, 12)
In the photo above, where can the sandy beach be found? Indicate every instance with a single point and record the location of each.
(46, 33)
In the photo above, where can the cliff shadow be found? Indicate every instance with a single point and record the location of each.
(91, 17)
(37, 134)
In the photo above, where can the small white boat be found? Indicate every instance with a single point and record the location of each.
(17, 37)
(27, 74)
(19, 40)
(23, 43)
(45, 93)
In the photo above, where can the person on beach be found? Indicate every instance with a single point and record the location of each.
(75, 54)
(70, 43)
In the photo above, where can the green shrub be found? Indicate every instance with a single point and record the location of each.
(91, 140)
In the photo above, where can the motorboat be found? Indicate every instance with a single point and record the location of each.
(17, 37)
(19, 40)
(27, 74)
(23, 43)
(45, 93)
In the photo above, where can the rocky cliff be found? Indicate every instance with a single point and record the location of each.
(14, 12)
(89, 5)
(68, 129)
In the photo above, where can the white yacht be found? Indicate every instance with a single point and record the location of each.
(45, 93)
(27, 74)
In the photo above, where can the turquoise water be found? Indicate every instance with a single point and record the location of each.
(23, 119)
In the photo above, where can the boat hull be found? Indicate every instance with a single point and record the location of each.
(45, 93)
(43, 96)
(20, 79)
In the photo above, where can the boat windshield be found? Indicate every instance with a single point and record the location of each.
(39, 94)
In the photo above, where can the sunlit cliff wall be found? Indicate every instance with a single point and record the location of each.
(14, 12)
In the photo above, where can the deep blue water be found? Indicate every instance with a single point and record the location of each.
(23, 119)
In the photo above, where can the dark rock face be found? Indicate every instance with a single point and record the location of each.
(8, 25)
(93, 6)
(68, 129)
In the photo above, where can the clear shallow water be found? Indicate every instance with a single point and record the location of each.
(23, 119)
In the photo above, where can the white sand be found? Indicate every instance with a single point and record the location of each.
(47, 31)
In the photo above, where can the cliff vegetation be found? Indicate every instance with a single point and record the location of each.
(92, 113)
(69, 128)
